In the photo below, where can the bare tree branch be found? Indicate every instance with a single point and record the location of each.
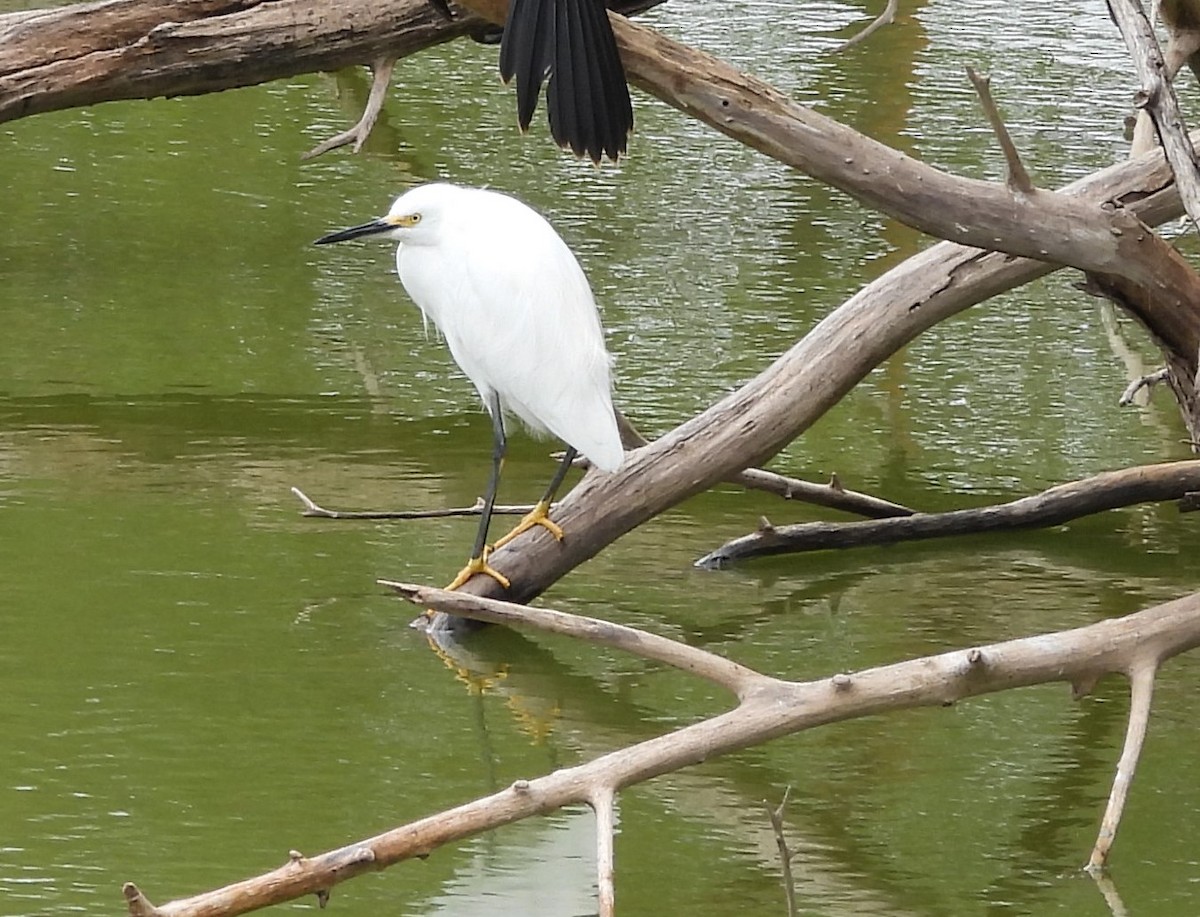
(381, 76)
(1141, 680)
(1018, 178)
(1157, 99)
(737, 679)
(832, 495)
(1110, 490)
(774, 708)
(887, 17)
(141, 49)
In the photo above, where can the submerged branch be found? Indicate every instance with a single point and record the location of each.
(738, 679)
(1141, 683)
(1018, 178)
(1110, 490)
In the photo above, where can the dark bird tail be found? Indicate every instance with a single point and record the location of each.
(570, 44)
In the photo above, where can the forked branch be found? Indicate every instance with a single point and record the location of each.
(769, 709)
(381, 76)
(1157, 99)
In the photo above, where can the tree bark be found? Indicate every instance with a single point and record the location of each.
(142, 49)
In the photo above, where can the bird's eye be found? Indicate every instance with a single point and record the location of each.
(414, 219)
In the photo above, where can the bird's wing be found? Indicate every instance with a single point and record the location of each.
(524, 324)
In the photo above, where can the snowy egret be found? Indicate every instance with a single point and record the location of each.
(517, 313)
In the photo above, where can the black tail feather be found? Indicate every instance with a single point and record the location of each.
(526, 52)
(569, 42)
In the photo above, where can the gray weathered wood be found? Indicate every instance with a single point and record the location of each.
(1111, 490)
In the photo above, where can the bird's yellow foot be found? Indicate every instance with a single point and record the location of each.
(539, 515)
(478, 565)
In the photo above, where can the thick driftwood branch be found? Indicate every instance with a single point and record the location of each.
(142, 49)
(782, 401)
(774, 708)
(1111, 490)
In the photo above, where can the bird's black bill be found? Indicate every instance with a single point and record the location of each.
(374, 228)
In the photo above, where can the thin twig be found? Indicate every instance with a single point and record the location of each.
(381, 71)
(831, 495)
(1141, 693)
(312, 509)
(1018, 179)
(827, 495)
(785, 855)
(887, 17)
(1147, 381)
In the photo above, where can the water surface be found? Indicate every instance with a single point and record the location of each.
(196, 679)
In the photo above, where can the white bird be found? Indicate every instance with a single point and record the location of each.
(520, 320)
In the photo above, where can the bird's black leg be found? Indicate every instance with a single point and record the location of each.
(540, 514)
(559, 476)
(478, 561)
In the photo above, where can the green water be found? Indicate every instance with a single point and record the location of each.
(195, 679)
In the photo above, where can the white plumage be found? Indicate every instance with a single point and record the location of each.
(519, 318)
(515, 309)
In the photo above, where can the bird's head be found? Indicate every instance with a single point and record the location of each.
(411, 219)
